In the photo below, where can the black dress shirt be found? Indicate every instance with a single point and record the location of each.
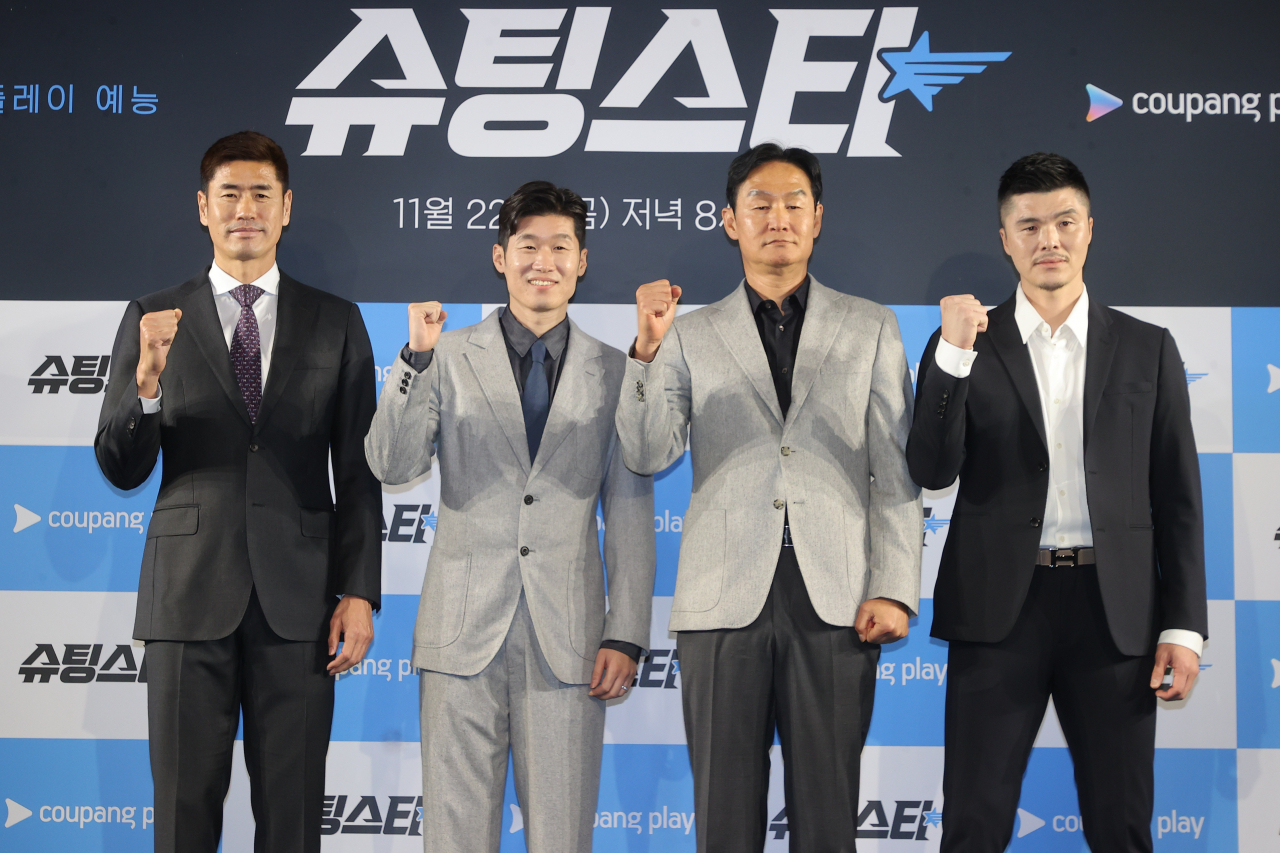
(780, 335)
(519, 341)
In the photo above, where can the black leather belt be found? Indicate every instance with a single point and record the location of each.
(1065, 557)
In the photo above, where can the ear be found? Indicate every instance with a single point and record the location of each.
(499, 259)
(288, 207)
(1004, 241)
(817, 220)
(730, 223)
(1088, 237)
(582, 263)
(202, 205)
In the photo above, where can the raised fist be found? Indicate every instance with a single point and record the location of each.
(156, 332)
(655, 310)
(426, 320)
(962, 318)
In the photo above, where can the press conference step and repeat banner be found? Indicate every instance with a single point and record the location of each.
(405, 127)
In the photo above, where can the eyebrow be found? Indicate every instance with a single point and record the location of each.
(241, 186)
(1068, 212)
(530, 236)
(800, 191)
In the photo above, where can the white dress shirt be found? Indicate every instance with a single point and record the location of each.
(264, 309)
(1058, 360)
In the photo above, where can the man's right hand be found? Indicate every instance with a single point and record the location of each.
(655, 311)
(962, 318)
(156, 332)
(426, 320)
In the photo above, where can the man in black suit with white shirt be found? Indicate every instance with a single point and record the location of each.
(1074, 563)
(253, 575)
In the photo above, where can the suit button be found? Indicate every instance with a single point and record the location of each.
(253, 448)
(132, 423)
(786, 451)
(524, 550)
(946, 394)
(779, 504)
(402, 390)
(528, 499)
(1035, 522)
(1044, 466)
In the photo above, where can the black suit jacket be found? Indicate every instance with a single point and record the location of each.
(243, 505)
(1142, 479)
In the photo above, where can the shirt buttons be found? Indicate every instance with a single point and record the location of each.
(779, 504)
(1062, 492)
(1058, 445)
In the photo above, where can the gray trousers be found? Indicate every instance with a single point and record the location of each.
(554, 732)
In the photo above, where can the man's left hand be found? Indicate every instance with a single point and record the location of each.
(881, 620)
(352, 624)
(613, 674)
(1186, 666)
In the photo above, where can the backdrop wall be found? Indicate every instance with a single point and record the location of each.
(405, 125)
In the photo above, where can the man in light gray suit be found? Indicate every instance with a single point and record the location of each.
(513, 639)
(801, 546)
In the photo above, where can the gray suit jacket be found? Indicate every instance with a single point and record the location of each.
(836, 464)
(506, 524)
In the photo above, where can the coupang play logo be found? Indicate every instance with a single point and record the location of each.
(1186, 106)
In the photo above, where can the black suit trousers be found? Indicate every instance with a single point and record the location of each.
(996, 698)
(788, 669)
(196, 692)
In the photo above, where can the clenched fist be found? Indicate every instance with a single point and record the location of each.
(655, 310)
(962, 318)
(426, 320)
(156, 332)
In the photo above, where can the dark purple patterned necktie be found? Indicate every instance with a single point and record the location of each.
(246, 349)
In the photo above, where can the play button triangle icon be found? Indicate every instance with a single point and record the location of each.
(24, 518)
(1100, 102)
(1028, 823)
(17, 813)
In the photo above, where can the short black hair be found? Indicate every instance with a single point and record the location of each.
(245, 145)
(1039, 173)
(542, 198)
(768, 152)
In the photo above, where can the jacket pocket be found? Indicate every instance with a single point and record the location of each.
(700, 577)
(316, 523)
(443, 606)
(1143, 387)
(174, 521)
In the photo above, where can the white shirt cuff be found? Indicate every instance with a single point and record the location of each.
(1183, 637)
(149, 406)
(952, 360)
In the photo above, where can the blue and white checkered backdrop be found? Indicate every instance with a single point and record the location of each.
(104, 113)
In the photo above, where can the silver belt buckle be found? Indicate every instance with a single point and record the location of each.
(1063, 557)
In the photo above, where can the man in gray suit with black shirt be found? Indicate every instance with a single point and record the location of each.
(513, 639)
(801, 546)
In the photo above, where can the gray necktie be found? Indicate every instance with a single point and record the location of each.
(536, 400)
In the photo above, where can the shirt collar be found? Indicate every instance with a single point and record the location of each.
(223, 282)
(801, 297)
(1029, 319)
(521, 339)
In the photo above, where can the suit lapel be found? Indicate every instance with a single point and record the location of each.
(1002, 334)
(295, 319)
(576, 388)
(1100, 351)
(822, 318)
(200, 320)
(488, 358)
(737, 328)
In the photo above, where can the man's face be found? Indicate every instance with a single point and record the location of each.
(775, 219)
(245, 209)
(541, 262)
(1047, 236)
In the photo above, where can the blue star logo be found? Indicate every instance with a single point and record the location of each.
(932, 818)
(923, 73)
(1193, 377)
(933, 524)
